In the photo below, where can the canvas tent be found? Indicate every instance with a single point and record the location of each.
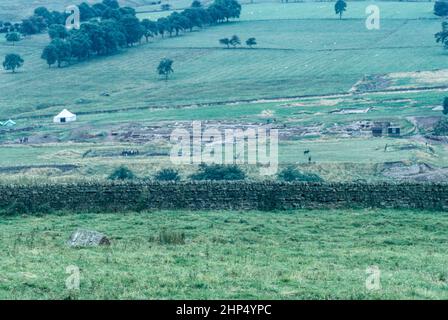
(64, 116)
(8, 123)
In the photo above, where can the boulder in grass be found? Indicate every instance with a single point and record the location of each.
(87, 238)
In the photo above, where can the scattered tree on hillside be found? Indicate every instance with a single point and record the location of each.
(86, 12)
(50, 55)
(162, 26)
(251, 42)
(196, 4)
(13, 62)
(12, 37)
(442, 36)
(43, 12)
(441, 8)
(229, 8)
(165, 67)
(340, 7)
(132, 28)
(225, 41)
(57, 31)
(235, 41)
(33, 25)
(107, 27)
(63, 51)
(80, 44)
(149, 28)
(441, 128)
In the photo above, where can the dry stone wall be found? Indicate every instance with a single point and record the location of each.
(127, 196)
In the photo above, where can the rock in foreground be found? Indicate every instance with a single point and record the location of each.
(87, 238)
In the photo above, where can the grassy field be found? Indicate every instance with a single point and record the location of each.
(229, 255)
(304, 51)
(332, 152)
(306, 62)
(317, 77)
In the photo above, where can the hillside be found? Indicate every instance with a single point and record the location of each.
(307, 65)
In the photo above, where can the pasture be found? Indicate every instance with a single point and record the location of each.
(307, 69)
(229, 255)
(322, 82)
(294, 58)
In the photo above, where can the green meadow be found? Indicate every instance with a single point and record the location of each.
(307, 65)
(302, 55)
(315, 78)
(229, 255)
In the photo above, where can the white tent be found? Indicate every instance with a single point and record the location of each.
(8, 123)
(64, 116)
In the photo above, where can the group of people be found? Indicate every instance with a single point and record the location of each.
(23, 140)
(130, 153)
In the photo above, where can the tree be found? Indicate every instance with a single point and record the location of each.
(219, 172)
(33, 25)
(57, 18)
(194, 17)
(96, 36)
(290, 174)
(196, 4)
(251, 42)
(442, 36)
(50, 55)
(132, 28)
(80, 44)
(167, 175)
(127, 10)
(113, 36)
(12, 62)
(178, 22)
(216, 13)
(122, 173)
(57, 31)
(12, 37)
(86, 12)
(149, 28)
(441, 8)
(165, 67)
(228, 8)
(63, 50)
(441, 128)
(113, 14)
(163, 26)
(225, 41)
(43, 12)
(235, 41)
(445, 106)
(340, 7)
(99, 9)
